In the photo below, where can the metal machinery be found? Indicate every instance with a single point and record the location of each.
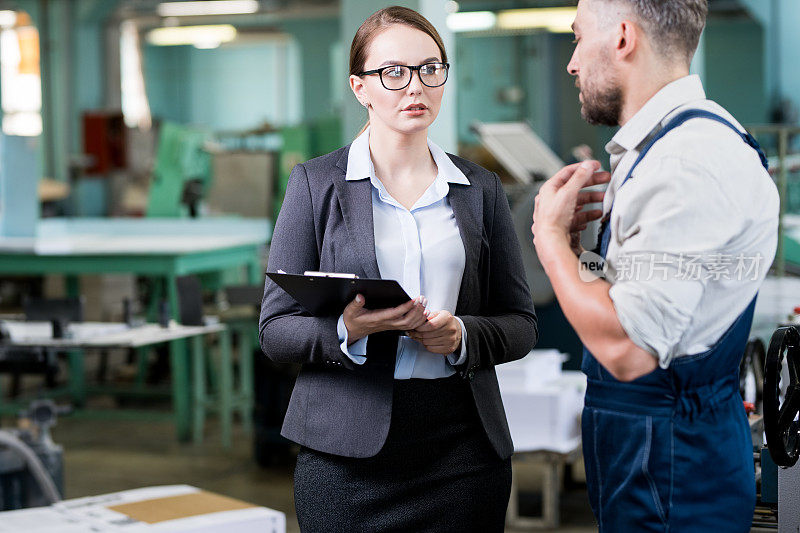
(776, 463)
(529, 160)
(31, 465)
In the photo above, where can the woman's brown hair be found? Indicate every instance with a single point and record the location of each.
(377, 22)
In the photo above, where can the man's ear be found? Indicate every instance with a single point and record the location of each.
(627, 39)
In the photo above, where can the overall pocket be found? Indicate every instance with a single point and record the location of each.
(628, 469)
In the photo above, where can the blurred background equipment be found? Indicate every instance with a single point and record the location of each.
(31, 464)
(517, 147)
(236, 171)
(782, 396)
(181, 162)
(144, 141)
(523, 155)
(778, 472)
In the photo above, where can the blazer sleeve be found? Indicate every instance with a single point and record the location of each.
(287, 332)
(507, 329)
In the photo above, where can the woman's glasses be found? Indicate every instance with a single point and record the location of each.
(398, 77)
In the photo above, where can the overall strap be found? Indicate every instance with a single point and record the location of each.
(689, 114)
(674, 122)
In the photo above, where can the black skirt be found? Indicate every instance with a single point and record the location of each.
(436, 472)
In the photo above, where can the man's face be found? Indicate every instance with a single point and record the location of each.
(593, 68)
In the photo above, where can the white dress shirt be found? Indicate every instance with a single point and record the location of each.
(693, 232)
(421, 249)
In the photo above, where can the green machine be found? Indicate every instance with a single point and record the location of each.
(304, 142)
(182, 170)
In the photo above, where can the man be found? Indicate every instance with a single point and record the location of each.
(689, 231)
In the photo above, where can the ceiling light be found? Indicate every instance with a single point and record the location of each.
(471, 21)
(182, 35)
(209, 45)
(555, 19)
(207, 7)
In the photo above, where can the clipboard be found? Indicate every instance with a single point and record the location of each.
(328, 296)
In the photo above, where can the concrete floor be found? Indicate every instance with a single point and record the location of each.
(109, 456)
(116, 453)
(113, 455)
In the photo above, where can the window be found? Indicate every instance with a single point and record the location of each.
(20, 77)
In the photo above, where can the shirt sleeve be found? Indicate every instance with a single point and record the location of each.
(459, 358)
(358, 350)
(672, 220)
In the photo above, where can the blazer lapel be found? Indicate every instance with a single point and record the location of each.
(355, 199)
(466, 202)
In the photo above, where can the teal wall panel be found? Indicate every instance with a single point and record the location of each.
(89, 83)
(491, 69)
(315, 40)
(734, 68)
(235, 87)
(19, 175)
(789, 54)
(781, 43)
(242, 85)
(166, 71)
(484, 67)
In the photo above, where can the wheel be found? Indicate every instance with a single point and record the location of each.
(782, 400)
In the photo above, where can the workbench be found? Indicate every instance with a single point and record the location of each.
(163, 249)
(103, 335)
(159, 248)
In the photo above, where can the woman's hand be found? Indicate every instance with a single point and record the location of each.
(361, 322)
(440, 334)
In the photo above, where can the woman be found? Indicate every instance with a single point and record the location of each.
(398, 410)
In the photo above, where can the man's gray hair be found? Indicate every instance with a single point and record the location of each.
(674, 26)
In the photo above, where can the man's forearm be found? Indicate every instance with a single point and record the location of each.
(590, 310)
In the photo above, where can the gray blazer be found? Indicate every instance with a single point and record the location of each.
(326, 224)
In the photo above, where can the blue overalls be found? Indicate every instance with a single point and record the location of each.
(671, 450)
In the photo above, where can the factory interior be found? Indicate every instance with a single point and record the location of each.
(145, 152)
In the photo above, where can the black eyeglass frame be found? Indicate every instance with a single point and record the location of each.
(413, 68)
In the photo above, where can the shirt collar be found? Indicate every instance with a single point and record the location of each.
(359, 162)
(642, 124)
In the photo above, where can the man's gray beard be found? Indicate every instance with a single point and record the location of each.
(602, 108)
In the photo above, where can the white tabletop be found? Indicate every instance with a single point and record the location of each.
(150, 236)
(101, 334)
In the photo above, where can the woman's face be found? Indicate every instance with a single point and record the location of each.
(408, 110)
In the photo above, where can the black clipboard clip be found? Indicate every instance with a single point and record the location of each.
(328, 293)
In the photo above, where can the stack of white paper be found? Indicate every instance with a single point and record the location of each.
(543, 403)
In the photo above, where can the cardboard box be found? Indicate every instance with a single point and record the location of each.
(173, 509)
(243, 183)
